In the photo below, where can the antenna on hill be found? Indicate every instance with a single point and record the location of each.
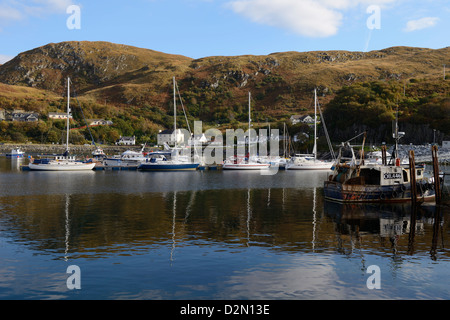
(444, 71)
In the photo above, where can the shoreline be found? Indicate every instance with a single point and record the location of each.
(60, 148)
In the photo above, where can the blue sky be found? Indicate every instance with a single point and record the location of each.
(200, 28)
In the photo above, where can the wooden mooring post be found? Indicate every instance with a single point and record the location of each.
(383, 154)
(412, 176)
(437, 181)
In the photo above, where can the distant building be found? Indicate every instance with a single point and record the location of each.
(126, 141)
(99, 122)
(58, 115)
(22, 116)
(301, 119)
(2, 115)
(168, 136)
(446, 145)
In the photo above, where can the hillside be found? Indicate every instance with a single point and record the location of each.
(117, 80)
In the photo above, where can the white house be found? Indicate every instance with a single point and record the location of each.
(100, 122)
(20, 115)
(168, 136)
(304, 119)
(127, 141)
(446, 145)
(58, 115)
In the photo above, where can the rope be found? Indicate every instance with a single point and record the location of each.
(184, 111)
(326, 134)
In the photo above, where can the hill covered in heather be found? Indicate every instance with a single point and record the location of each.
(133, 86)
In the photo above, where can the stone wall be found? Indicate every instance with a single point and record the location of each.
(59, 149)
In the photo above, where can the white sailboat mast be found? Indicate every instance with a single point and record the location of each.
(249, 123)
(249, 114)
(315, 125)
(68, 113)
(174, 112)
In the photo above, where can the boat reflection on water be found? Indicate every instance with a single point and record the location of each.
(395, 226)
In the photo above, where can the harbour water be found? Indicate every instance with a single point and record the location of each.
(210, 235)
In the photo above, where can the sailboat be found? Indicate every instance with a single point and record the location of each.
(309, 161)
(64, 162)
(160, 162)
(247, 163)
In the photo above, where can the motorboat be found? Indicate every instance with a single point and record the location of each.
(15, 153)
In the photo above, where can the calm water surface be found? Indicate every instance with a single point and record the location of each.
(210, 235)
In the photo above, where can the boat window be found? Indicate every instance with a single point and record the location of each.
(405, 176)
(370, 176)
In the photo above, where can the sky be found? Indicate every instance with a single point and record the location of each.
(202, 28)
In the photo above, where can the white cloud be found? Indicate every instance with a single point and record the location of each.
(419, 24)
(305, 17)
(12, 10)
(57, 6)
(311, 18)
(9, 13)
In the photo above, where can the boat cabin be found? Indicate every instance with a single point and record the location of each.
(374, 175)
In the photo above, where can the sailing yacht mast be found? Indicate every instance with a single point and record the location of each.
(249, 124)
(68, 110)
(249, 115)
(174, 113)
(315, 124)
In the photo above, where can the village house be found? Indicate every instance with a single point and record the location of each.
(168, 136)
(99, 122)
(301, 119)
(22, 116)
(126, 141)
(58, 115)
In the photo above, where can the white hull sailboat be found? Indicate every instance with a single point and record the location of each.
(64, 162)
(310, 161)
(249, 163)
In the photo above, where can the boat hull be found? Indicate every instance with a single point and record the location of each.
(10, 155)
(259, 166)
(113, 162)
(373, 193)
(309, 167)
(61, 166)
(168, 167)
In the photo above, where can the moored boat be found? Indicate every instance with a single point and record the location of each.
(128, 158)
(307, 162)
(60, 163)
(167, 165)
(171, 159)
(63, 162)
(310, 161)
(248, 162)
(244, 165)
(15, 153)
(355, 181)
